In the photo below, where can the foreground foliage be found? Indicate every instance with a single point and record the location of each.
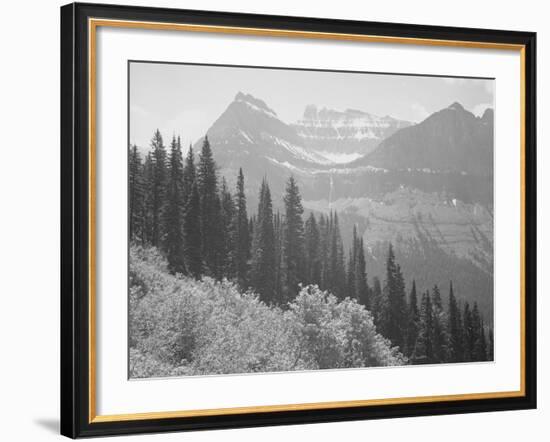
(182, 326)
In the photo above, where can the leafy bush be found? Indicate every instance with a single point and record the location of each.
(339, 334)
(180, 326)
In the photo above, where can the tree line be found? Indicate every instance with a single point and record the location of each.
(182, 208)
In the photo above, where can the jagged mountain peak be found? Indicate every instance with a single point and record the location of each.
(254, 103)
(456, 106)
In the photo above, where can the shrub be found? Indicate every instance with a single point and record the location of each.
(181, 326)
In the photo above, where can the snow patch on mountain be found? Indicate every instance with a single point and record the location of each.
(340, 158)
(245, 136)
(329, 171)
(297, 151)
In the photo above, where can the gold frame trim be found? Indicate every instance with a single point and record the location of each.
(93, 24)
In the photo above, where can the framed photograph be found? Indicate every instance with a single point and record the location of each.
(274, 220)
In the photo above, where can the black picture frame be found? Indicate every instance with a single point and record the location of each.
(75, 219)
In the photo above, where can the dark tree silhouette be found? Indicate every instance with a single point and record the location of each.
(158, 190)
(210, 207)
(293, 242)
(192, 235)
(173, 211)
(263, 250)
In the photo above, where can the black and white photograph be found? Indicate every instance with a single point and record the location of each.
(284, 219)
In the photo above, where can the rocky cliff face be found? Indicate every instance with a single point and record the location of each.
(344, 136)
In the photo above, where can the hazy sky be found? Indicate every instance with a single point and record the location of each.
(185, 100)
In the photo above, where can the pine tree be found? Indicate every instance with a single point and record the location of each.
(454, 329)
(279, 234)
(192, 234)
(158, 188)
(227, 225)
(263, 250)
(350, 275)
(424, 348)
(251, 224)
(362, 291)
(480, 342)
(189, 174)
(135, 194)
(469, 334)
(395, 316)
(377, 303)
(242, 235)
(336, 266)
(312, 251)
(352, 266)
(440, 343)
(210, 207)
(413, 322)
(147, 179)
(324, 241)
(293, 245)
(173, 211)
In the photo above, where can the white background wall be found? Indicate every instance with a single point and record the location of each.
(29, 220)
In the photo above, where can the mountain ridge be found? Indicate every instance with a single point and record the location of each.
(451, 139)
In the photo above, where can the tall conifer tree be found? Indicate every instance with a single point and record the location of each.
(454, 329)
(210, 207)
(395, 316)
(173, 211)
(337, 270)
(352, 290)
(440, 343)
(263, 250)
(242, 235)
(227, 226)
(279, 235)
(147, 178)
(324, 241)
(424, 348)
(378, 306)
(413, 322)
(362, 291)
(293, 244)
(192, 234)
(469, 333)
(480, 342)
(189, 174)
(158, 188)
(312, 251)
(135, 194)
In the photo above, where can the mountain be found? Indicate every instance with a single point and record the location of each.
(249, 134)
(344, 136)
(451, 140)
(427, 188)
